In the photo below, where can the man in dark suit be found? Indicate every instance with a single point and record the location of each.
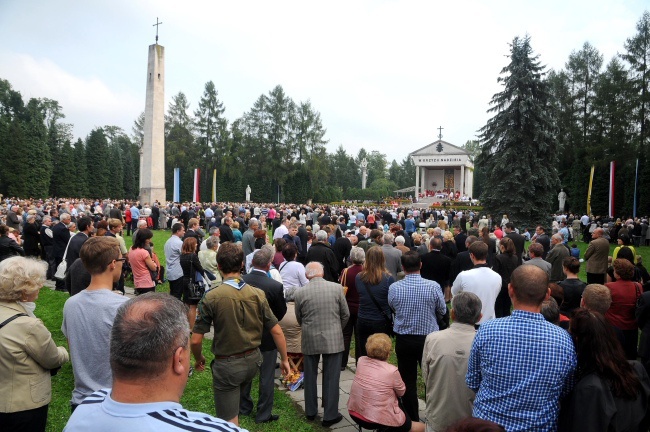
(192, 231)
(321, 251)
(516, 238)
(435, 265)
(85, 227)
(60, 238)
(155, 215)
(274, 292)
(322, 312)
(462, 261)
(542, 238)
(225, 232)
(460, 236)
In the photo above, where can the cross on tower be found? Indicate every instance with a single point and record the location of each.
(156, 25)
(440, 132)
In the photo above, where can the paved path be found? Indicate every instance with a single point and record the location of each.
(345, 384)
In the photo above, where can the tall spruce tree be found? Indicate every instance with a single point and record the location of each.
(82, 177)
(99, 171)
(518, 150)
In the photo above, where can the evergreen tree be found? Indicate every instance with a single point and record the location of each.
(38, 165)
(637, 55)
(212, 136)
(82, 188)
(137, 131)
(129, 172)
(99, 170)
(65, 175)
(518, 151)
(177, 113)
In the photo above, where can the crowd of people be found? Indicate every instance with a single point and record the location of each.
(507, 337)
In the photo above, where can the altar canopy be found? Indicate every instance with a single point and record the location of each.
(441, 168)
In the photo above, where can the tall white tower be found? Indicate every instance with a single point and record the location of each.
(152, 166)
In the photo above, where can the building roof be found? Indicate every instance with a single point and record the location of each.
(438, 148)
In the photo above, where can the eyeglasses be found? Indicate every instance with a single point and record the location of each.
(119, 259)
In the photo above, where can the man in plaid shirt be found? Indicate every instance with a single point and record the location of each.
(415, 301)
(521, 366)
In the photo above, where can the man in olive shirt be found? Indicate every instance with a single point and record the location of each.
(239, 314)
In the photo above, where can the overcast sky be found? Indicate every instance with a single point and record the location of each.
(383, 74)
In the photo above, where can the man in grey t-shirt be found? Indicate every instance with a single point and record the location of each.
(88, 317)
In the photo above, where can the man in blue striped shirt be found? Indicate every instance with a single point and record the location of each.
(521, 366)
(415, 301)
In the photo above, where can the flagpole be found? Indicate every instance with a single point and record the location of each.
(636, 182)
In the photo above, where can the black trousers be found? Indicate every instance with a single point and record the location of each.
(348, 331)
(502, 304)
(366, 328)
(33, 420)
(408, 349)
(176, 288)
(596, 278)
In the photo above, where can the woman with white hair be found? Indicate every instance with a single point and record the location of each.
(27, 354)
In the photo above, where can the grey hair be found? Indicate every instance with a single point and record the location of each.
(400, 240)
(314, 269)
(388, 238)
(467, 307)
(213, 230)
(558, 237)
(550, 310)
(47, 218)
(253, 222)
(142, 223)
(211, 242)
(30, 217)
(146, 331)
(19, 276)
(321, 236)
(263, 256)
(357, 255)
(64, 216)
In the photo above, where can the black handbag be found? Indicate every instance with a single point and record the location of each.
(195, 289)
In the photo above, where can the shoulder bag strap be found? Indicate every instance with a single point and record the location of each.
(344, 277)
(374, 300)
(10, 319)
(282, 265)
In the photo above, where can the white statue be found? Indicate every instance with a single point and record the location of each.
(562, 198)
(364, 172)
(248, 192)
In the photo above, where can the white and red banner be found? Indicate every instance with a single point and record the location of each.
(612, 174)
(196, 197)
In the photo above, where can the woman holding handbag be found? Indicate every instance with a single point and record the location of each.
(349, 281)
(375, 315)
(190, 264)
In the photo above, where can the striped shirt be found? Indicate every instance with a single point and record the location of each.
(99, 413)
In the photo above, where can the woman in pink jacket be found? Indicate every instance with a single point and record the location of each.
(377, 385)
